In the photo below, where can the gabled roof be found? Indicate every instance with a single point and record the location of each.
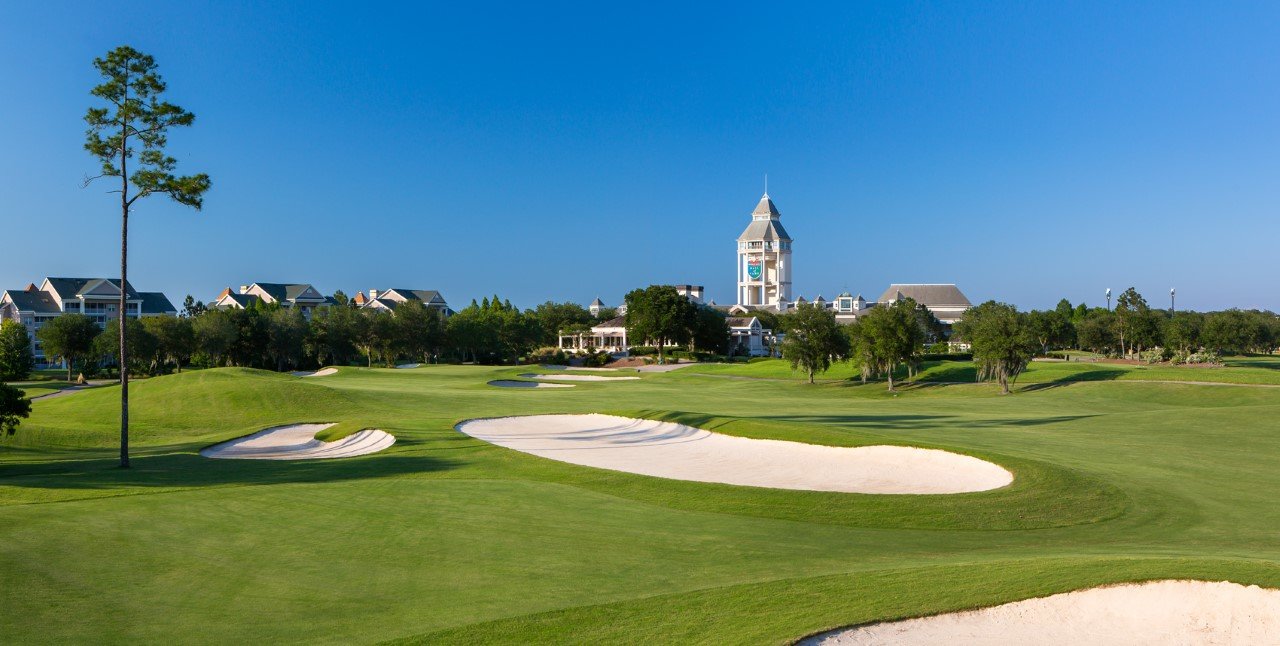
(934, 295)
(156, 303)
(281, 292)
(32, 301)
(243, 300)
(424, 295)
(71, 287)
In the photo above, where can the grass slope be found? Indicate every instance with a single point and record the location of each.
(443, 538)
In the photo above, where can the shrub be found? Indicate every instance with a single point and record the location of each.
(595, 359)
(548, 355)
(643, 350)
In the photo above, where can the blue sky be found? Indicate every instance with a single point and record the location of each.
(1025, 151)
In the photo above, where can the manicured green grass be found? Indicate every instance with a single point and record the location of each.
(1238, 370)
(443, 538)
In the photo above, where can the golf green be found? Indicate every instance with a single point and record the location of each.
(1120, 475)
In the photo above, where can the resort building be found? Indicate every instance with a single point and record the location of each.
(97, 298)
(296, 295)
(945, 301)
(608, 336)
(596, 307)
(386, 300)
(764, 259)
(748, 337)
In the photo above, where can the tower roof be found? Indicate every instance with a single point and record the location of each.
(766, 208)
(765, 224)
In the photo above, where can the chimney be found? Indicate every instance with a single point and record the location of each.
(244, 289)
(373, 294)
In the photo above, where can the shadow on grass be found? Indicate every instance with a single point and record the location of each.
(917, 422)
(188, 469)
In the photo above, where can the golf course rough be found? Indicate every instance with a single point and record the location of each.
(298, 442)
(680, 452)
(1154, 613)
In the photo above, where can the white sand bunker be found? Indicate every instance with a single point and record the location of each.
(512, 383)
(578, 377)
(680, 452)
(324, 372)
(298, 442)
(1162, 612)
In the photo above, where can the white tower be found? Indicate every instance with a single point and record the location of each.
(764, 258)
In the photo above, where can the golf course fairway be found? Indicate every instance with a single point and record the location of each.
(1120, 476)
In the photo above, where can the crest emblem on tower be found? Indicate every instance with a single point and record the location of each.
(755, 269)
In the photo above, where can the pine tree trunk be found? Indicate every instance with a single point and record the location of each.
(124, 345)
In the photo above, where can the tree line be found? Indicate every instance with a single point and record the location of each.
(1003, 340)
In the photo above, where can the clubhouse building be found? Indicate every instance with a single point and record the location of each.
(97, 298)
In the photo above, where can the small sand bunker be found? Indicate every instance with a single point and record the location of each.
(680, 452)
(323, 372)
(578, 377)
(1161, 612)
(512, 383)
(298, 442)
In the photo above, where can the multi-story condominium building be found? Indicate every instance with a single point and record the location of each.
(300, 295)
(387, 299)
(97, 298)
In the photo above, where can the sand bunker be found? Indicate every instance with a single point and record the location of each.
(578, 377)
(512, 383)
(680, 452)
(323, 372)
(408, 366)
(1161, 612)
(298, 442)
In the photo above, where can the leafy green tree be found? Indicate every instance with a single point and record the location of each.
(286, 335)
(1182, 331)
(14, 407)
(813, 340)
(552, 318)
(136, 120)
(710, 330)
(1230, 332)
(175, 338)
(216, 335)
(1050, 328)
(1097, 331)
(659, 315)
(894, 334)
(605, 314)
(144, 345)
(862, 352)
(1133, 321)
(16, 358)
(420, 330)
(332, 335)
(69, 337)
(931, 329)
(1002, 341)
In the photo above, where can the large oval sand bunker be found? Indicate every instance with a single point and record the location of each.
(1161, 612)
(679, 452)
(298, 442)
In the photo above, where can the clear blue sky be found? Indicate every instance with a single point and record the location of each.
(1025, 151)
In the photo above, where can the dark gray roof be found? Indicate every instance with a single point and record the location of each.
(70, 287)
(936, 295)
(770, 230)
(597, 302)
(35, 301)
(424, 295)
(243, 300)
(740, 321)
(156, 303)
(617, 321)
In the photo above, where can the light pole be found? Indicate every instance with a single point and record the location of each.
(1172, 300)
(1108, 299)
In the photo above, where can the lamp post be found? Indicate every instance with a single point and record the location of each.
(1108, 299)
(1172, 300)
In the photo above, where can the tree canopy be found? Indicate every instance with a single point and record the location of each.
(813, 340)
(1002, 341)
(16, 358)
(69, 337)
(659, 315)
